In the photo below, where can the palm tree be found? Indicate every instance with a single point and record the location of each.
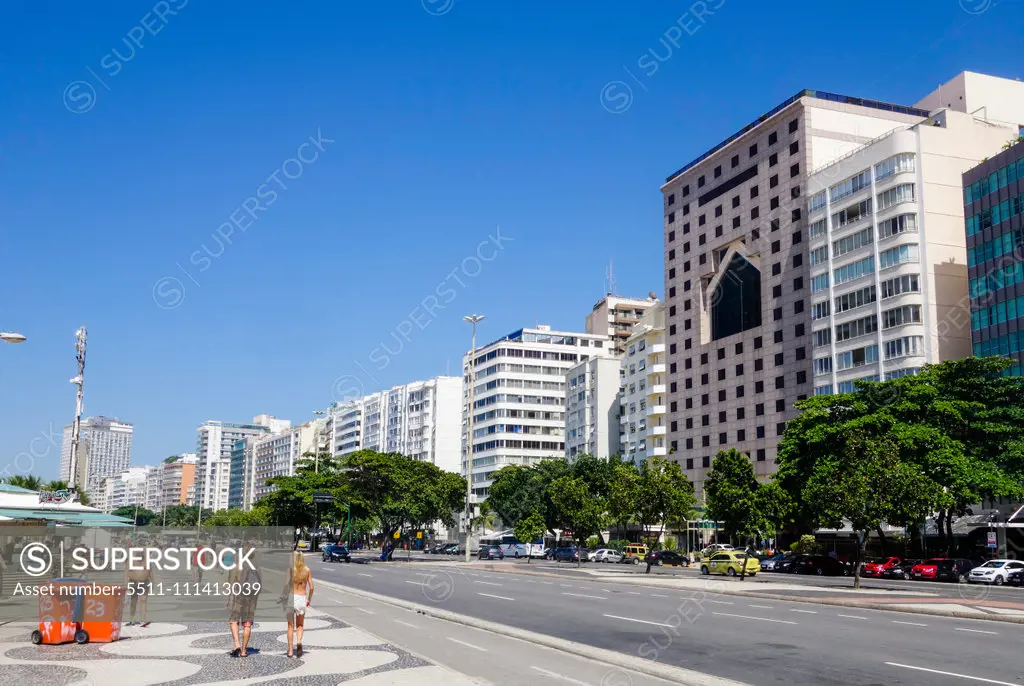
(32, 483)
(56, 486)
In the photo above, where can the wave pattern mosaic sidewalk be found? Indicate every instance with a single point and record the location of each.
(190, 654)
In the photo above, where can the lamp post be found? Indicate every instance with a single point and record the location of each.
(473, 319)
(11, 337)
(79, 380)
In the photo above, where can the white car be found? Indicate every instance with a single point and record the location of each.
(994, 572)
(605, 555)
(715, 548)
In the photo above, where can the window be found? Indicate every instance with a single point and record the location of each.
(686, 266)
(759, 387)
(723, 438)
(794, 192)
(687, 304)
(741, 435)
(852, 185)
(855, 299)
(705, 441)
(672, 272)
(908, 314)
(816, 201)
(903, 347)
(671, 217)
(741, 413)
(718, 211)
(752, 150)
(704, 379)
(852, 242)
(777, 337)
(856, 328)
(702, 220)
(900, 284)
(736, 201)
(759, 409)
(822, 366)
(739, 348)
(897, 164)
(689, 423)
(818, 255)
(780, 405)
(817, 228)
(686, 190)
(795, 215)
(773, 159)
(689, 444)
(801, 353)
(776, 269)
(721, 375)
(857, 358)
(689, 460)
(819, 310)
(705, 461)
(773, 138)
(773, 203)
(901, 254)
(700, 182)
(798, 260)
(774, 224)
(689, 403)
(735, 161)
(821, 337)
(794, 170)
(780, 428)
(776, 246)
(777, 314)
(895, 195)
(758, 365)
(794, 148)
(686, 228)
(702, 239)
(705, 420)
(761, 455)
(851, 214)
(793, 125)
(854, 270)
(773, 181)
(718, 171)
(798, 307)
(671, 254)
(753, 192)
(739, 370)
(798, 330)
(672, 199)
(797, 237)
(759, 432)
(776, 291)
(780, 359)
(671, 236)
(721, 353)
(688, 364)
(718, 231)
(818, 283)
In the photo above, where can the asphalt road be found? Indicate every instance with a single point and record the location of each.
(746, 639)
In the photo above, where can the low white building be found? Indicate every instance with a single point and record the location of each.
(644, 418)
(592, 408)
(21, 504)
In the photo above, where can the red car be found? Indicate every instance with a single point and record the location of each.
(878, 565)
(942, 569)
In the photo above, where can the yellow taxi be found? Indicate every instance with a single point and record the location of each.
(729, 562)
(634, 553)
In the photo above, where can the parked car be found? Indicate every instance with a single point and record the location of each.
(336, 553)
(875, 567)
(900, 570)
(302, 545)
(597, 555)
(567, 554)
(995, 572)
(436, 548)
(942, 569)
(634, 553)
(490, 552)
(608, 555)
(672, 558)
(785, 565)
(1015, 578)
(714, 548)
(771, 564)
(730, 562)
(450, 549)
(821, 565)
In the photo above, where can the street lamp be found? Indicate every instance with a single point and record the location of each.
(473, 319)
(11, 337)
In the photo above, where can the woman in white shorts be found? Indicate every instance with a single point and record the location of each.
(298, 592)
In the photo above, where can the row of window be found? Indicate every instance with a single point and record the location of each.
(1005, 311)
(1009, 344)
(901, 254)
(849, 386)
(996, 279)
(995, 214)
(723, 415)
(723, 438)
(895, 195)
(1000, 178)
(854, 270)
(987, 250)
(706, 460)
(896, 348)
(852, 242)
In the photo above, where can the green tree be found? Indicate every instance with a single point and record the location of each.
(530, 529)
(623, 494)
(575, 509)
(663, 494)
(31, 482)
(140, 515)
(515, 493)
(729, 488)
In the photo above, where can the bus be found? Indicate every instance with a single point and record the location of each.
(512, 546)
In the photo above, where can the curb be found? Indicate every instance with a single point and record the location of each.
(676, 675)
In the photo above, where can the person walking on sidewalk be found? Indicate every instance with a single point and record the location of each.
(242, 606)
(139, 584)
(296, 596)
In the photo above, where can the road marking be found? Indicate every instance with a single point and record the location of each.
(559, 677)
(488, 583)
(639, 621)
(720, 602)
(806, 612)
(581, 595)
(565, 585)
(499, 597)
(978, 631)
(414, 583)
(605, 590)
(760, 619)
(962, 676)
(633, 593)
(763, 607)
(369, 575)
(363, 609)
(851, 616)
(548, 583)
(896, 621)
(411, 626)
(658, 595)
(468, 645)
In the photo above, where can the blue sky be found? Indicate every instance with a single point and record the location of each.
(127, 141)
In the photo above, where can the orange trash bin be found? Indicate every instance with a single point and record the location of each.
(101, 615)
(60, 612)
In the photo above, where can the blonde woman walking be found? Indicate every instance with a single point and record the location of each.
(298, 592)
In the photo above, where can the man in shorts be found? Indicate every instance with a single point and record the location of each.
(242, 606)
(139, 583)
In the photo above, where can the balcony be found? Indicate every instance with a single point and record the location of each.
(656, 389)
(655, 410)
(657, 430)
(658, 368)
(658, 450)
(655, 348)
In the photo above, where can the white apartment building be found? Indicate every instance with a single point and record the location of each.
(615, 316)
(154, 487)
(644, 423)
(125, 488)
(421, 420)
(274, 455)
(519, 398)
(104, 449)
(215, 441)
(887, 250)
(592, 408)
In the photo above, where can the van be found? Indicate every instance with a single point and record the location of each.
(634, 553)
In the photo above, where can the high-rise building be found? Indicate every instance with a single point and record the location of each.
(643, 420)
(272, 455)
(887, 251)
(154, 487)
(128, 487)
(592, 407)
(347, 422)
(214, 443)
(519, 398)
(738, 268)
(994, 210)
(179, 474)
(104, 449)
(615, 317)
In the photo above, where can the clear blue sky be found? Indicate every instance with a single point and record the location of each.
(445, 125)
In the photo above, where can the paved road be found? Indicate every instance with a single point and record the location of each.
(751, 640)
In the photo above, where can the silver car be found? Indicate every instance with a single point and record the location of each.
(607, 555)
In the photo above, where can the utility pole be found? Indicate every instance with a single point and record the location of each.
(76, 427)
(473, 319)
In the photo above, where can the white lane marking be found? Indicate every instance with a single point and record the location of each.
(763, 607)
(363, 609)
(411, 626)
(806, 612)
(414, 583)
(581, 595)
(760, 619)
(561, 678)
(851, 616)
(548, 583)
(720, 602)
(605, 590)
(487, 583)
(962, 676)
(565, 585)
(639, 621)
(978, 631)
(499, 597)
(658, 595)
(468, 645)
(369, 575)
(633, 593)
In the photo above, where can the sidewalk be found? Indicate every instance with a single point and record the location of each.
(197, 653)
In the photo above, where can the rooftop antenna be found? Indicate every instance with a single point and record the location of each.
(610, 278)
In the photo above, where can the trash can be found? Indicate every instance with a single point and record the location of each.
(101, 615)
(60, 613)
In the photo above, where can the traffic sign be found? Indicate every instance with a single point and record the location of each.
(992, 540)
(322, 498)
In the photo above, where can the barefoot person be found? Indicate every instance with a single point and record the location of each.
(298, 592)
(242, 606)
(139, 583)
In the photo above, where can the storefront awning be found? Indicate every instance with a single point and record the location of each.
(70, 517)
